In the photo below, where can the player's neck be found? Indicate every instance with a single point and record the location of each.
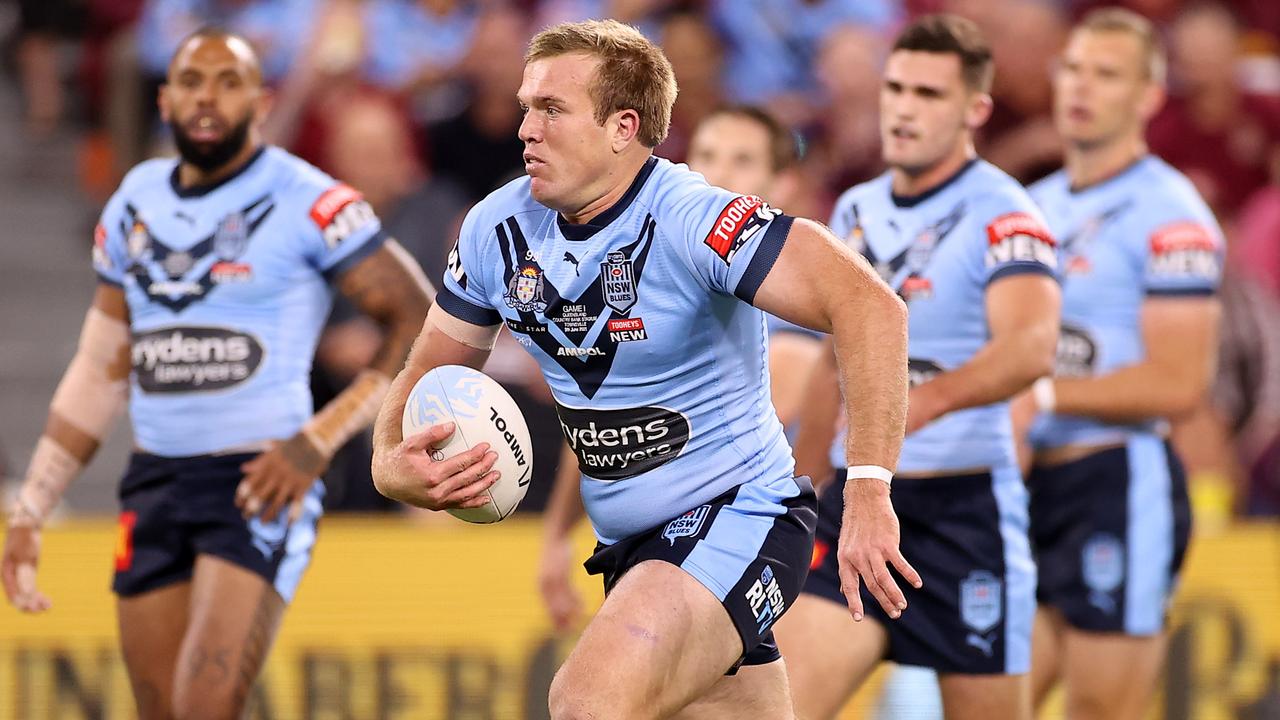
(190, 176)
(909, 184)
(615, 185)
(1088, 165)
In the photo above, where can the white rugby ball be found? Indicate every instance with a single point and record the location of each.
(482, 412)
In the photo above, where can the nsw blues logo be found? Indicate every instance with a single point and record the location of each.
(1102, 564)
(981, 607)
(619, 282)
(687, 525)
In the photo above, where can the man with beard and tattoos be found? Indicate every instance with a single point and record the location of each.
(215, 274)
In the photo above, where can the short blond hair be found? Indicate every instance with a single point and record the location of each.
(633, 74)
(1117, 19)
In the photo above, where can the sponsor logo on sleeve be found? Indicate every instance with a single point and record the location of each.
(1018, 237)
(100, 256)
(455, 268)
(738, 223)
(618, 444)
(194, 359)
(1184, 250)
(339, 212)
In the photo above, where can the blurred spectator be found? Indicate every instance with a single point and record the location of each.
(480, 147)
(1222, 138)
(643, 14)
(416, 44)
(697, 59)
(1255, 244)
(771, 46)
(278, 29)
(845, 136)
(1020, 137)
(41, 25)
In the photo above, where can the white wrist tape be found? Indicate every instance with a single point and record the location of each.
(348, 413)
(52, 469)
(876, 472)
(88, 397)
(473, 336)
(1043, 393)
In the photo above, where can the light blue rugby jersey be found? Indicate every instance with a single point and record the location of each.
(940, 250)
(228, 288)
(642, 325)
(1142, 233)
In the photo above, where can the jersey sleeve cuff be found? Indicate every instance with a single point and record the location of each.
(763, 259)
(1028, 268)
(1182, 292)
(464, 309)
(108, 280)
(352, 259)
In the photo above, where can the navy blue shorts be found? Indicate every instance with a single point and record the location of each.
(967, 537)
(750, 551)
(173, 509)
(1110, 532)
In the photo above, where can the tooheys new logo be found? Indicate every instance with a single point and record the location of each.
(738, 222)
(194, 359)
(1019, 237)
(1184, 250)
(618, 444)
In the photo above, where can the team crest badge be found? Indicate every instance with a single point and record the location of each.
(1102, 564)
(687, 525)
(981, 604)
(139, 240)
(921, 250)
(619, 282)
(177, 263)
(525, 291)
(231, 237)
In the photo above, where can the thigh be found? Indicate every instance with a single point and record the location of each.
(981, 697)
(1046, 653)
(828, 655)
(1109, 675)
(234, 617)
(756, 691)
(151, 629)
(660, 640)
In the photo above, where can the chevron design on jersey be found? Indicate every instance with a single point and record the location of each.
(588, 370)
(914, 258)
(177, 278)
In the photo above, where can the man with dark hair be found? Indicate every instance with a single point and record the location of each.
(216, 273)
(966, 248)
(704, 531)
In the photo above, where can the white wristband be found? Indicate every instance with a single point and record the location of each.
(1043, 393)
(869, 471)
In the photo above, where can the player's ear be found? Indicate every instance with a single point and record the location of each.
(1153, 96)
(263, 104)
(980, 106)
(624, 128)
(162, 102)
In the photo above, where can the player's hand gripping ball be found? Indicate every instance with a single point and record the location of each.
(482, 412)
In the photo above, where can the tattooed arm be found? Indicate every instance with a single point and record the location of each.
(388, 287)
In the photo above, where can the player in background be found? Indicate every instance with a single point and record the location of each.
(215, 276)
(1110, 517)
(744, 150)
(660, 377)
(966, 248)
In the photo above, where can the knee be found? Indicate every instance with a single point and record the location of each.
(579, 696)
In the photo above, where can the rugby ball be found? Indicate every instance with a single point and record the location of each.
(482, 411)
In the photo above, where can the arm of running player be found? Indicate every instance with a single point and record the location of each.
(818, 413)
(563, 513)
(1022, 316)
(388, 286)
(85, 406)
(1180, 337)
(791, 355)
(403, 469)
(821, 284)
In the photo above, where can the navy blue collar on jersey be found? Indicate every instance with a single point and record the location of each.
(1077, 189)
(198, 190)
(908, 201)
(585, 230)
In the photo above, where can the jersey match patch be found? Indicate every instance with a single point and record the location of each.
(1019, 237)
(1184, 249)
(340, 211)
(738, 222)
